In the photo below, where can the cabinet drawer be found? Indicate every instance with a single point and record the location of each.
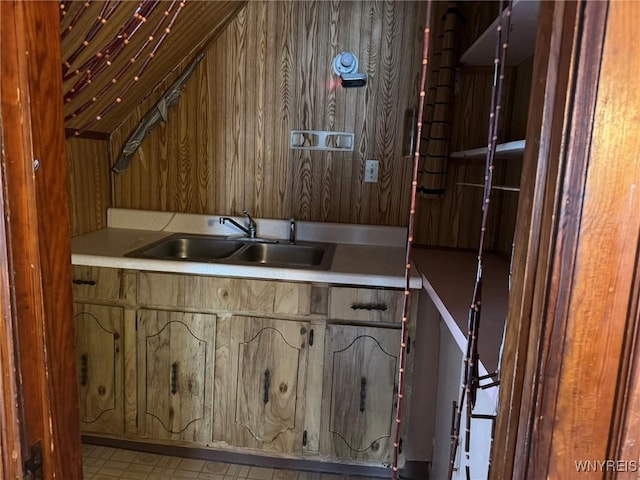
(223, 294)
(365, 304)
(97, 283)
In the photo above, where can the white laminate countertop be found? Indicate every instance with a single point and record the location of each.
(364, 255)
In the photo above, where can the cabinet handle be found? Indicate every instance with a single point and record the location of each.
(304, 438)
(84, 369)
(369, 306)
(454, 407)
(363, 393)
(266, 385)
(77, 281)
(174, 378)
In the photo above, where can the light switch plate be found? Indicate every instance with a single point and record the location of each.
(371, 171)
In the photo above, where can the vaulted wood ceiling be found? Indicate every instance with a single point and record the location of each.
(106, 48)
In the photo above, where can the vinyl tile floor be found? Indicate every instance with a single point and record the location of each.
(106, 463)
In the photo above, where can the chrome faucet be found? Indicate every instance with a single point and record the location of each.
(249, 230)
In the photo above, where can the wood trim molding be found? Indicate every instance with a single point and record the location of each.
(10, 438)
(54, 237)
(544, 454)
(571, 384)
(626, 425)
(38, 236)
(22, 242)
(622, 50)
(532, 237)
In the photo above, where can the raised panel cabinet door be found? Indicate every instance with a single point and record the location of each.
(359, 393)
(100, 367)
(260, 383)
(175, 375)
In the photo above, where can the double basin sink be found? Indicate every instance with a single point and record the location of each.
(239, 251)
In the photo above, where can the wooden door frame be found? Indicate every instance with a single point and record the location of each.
(10, 434)
(36, 344)
(570, 386)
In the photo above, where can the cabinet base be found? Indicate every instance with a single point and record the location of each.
(211, 455)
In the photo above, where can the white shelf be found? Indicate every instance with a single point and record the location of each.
(507, 150)
(522, 37)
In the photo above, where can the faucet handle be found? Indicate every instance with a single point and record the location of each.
(248, 216)
(252, 224)
(292, 230)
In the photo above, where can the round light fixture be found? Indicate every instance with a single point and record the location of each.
(345, 63)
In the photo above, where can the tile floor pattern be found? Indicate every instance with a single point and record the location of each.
(106, 463)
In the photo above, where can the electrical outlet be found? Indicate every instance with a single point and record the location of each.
(371, 171)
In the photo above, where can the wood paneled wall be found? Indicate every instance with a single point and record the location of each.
(89, 184)
(226, 144)
(225, 147)
(453, 220)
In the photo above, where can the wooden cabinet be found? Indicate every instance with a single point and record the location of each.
(240, 364)
(175, 375)
(99, 354)
(261, 366)
(359, 392)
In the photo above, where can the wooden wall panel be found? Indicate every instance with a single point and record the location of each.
(89, 184)
(453, 220)
(520, 106)
(225, 146)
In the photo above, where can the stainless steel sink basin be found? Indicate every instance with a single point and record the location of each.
(287, 255)
(204, 248)
(197, 248)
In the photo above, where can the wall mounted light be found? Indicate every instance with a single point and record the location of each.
(345, 66)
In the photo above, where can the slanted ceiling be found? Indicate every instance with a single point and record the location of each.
(196, 24)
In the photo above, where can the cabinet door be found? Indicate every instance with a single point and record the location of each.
(260, 383)
(100, 367)
(175, 375)
(359, 393)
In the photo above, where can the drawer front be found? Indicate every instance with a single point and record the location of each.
(97, 283)
(223, 294)
(366, 304)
